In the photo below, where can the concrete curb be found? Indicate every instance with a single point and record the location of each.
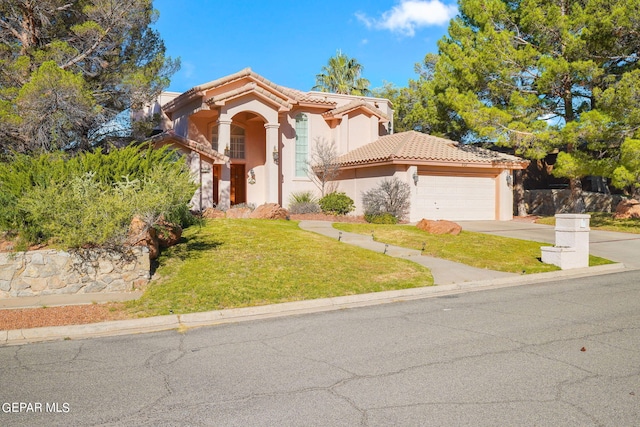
(235, 315)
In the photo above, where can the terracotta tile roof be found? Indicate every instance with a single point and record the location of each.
(171, 137)
(414, 146)
(353, 105)
(294, 96)
(250, 87)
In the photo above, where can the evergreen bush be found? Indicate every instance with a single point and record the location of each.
(336, 204)
(90, 199)
(384, 218)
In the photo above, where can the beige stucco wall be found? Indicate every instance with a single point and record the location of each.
(354, 182)
(353, 130)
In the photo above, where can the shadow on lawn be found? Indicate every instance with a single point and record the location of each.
(193, 248)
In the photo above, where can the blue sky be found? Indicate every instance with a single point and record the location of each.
(289, 41)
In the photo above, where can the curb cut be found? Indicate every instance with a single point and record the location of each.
(236, 315)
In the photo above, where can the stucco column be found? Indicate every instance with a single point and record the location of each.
(270, 168)
(224, 134)
(224, 185)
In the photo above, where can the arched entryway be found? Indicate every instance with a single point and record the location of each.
(249, 177)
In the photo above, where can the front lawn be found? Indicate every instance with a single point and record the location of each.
(603, 221)
(475, 249)
(240, 262)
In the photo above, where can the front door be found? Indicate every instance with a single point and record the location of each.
(216, 185)
(238, 185)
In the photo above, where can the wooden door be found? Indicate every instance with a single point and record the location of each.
(238, 185)
(216, 186)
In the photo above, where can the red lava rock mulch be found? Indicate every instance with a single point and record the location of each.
(25, 318)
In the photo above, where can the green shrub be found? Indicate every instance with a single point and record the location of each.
(90, 199)
(302, 197)
(303, 202)
(385, 218)
(336, 203)
(304, 208)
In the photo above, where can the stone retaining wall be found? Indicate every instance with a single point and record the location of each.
(551, 202)
(53, 272)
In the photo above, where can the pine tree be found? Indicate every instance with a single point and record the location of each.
(68, 67)
(542, 75)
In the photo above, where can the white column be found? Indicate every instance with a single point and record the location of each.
(224, 134)
(224, 142)
(271, 169)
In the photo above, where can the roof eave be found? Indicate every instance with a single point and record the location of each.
(432, 162)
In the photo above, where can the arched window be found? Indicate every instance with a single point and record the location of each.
(236, 144)
(302, 144)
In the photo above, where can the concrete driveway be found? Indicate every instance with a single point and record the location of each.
(619, 247)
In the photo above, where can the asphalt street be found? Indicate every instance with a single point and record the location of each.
(549, 354)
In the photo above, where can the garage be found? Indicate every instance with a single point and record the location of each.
(447, 180)
(456, 198)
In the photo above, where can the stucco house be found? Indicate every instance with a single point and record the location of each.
(247, 140)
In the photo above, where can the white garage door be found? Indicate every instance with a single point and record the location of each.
(456, 198)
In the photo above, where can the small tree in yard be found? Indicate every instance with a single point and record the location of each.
(391, 197)
(322, 166)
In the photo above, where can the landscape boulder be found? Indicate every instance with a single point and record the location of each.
(270, 211)
(439, 227)
(627, 209)
(168, 233)
(140, 234)
(212, 213)
(238, 213)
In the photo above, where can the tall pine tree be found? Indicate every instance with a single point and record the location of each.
(540, 75)
(67, 67)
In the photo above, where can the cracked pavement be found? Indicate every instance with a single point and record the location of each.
(558, 353)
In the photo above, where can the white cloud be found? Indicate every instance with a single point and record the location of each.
(410, 15)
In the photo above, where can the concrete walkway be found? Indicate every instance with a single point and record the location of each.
(444, 272)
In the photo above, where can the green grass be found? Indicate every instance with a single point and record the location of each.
(603, 221)
(475, 249)
(237, 263)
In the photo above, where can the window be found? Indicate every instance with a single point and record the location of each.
(214, 137)
(236, 143)
(302, 144)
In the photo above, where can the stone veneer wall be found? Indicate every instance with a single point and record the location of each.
(53, 272)
(551, 202)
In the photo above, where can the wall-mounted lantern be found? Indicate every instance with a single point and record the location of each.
(276, 155)
(226, 151)
(252, 176)
(509, 180)
(415, 177)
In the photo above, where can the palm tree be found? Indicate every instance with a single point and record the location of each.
(342, 75)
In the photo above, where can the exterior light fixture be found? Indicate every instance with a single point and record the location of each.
(252, 176)
(276, 155)
(226, 151)
(509, 180)
(415, 177)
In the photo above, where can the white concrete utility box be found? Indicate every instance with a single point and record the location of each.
(572, 242)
